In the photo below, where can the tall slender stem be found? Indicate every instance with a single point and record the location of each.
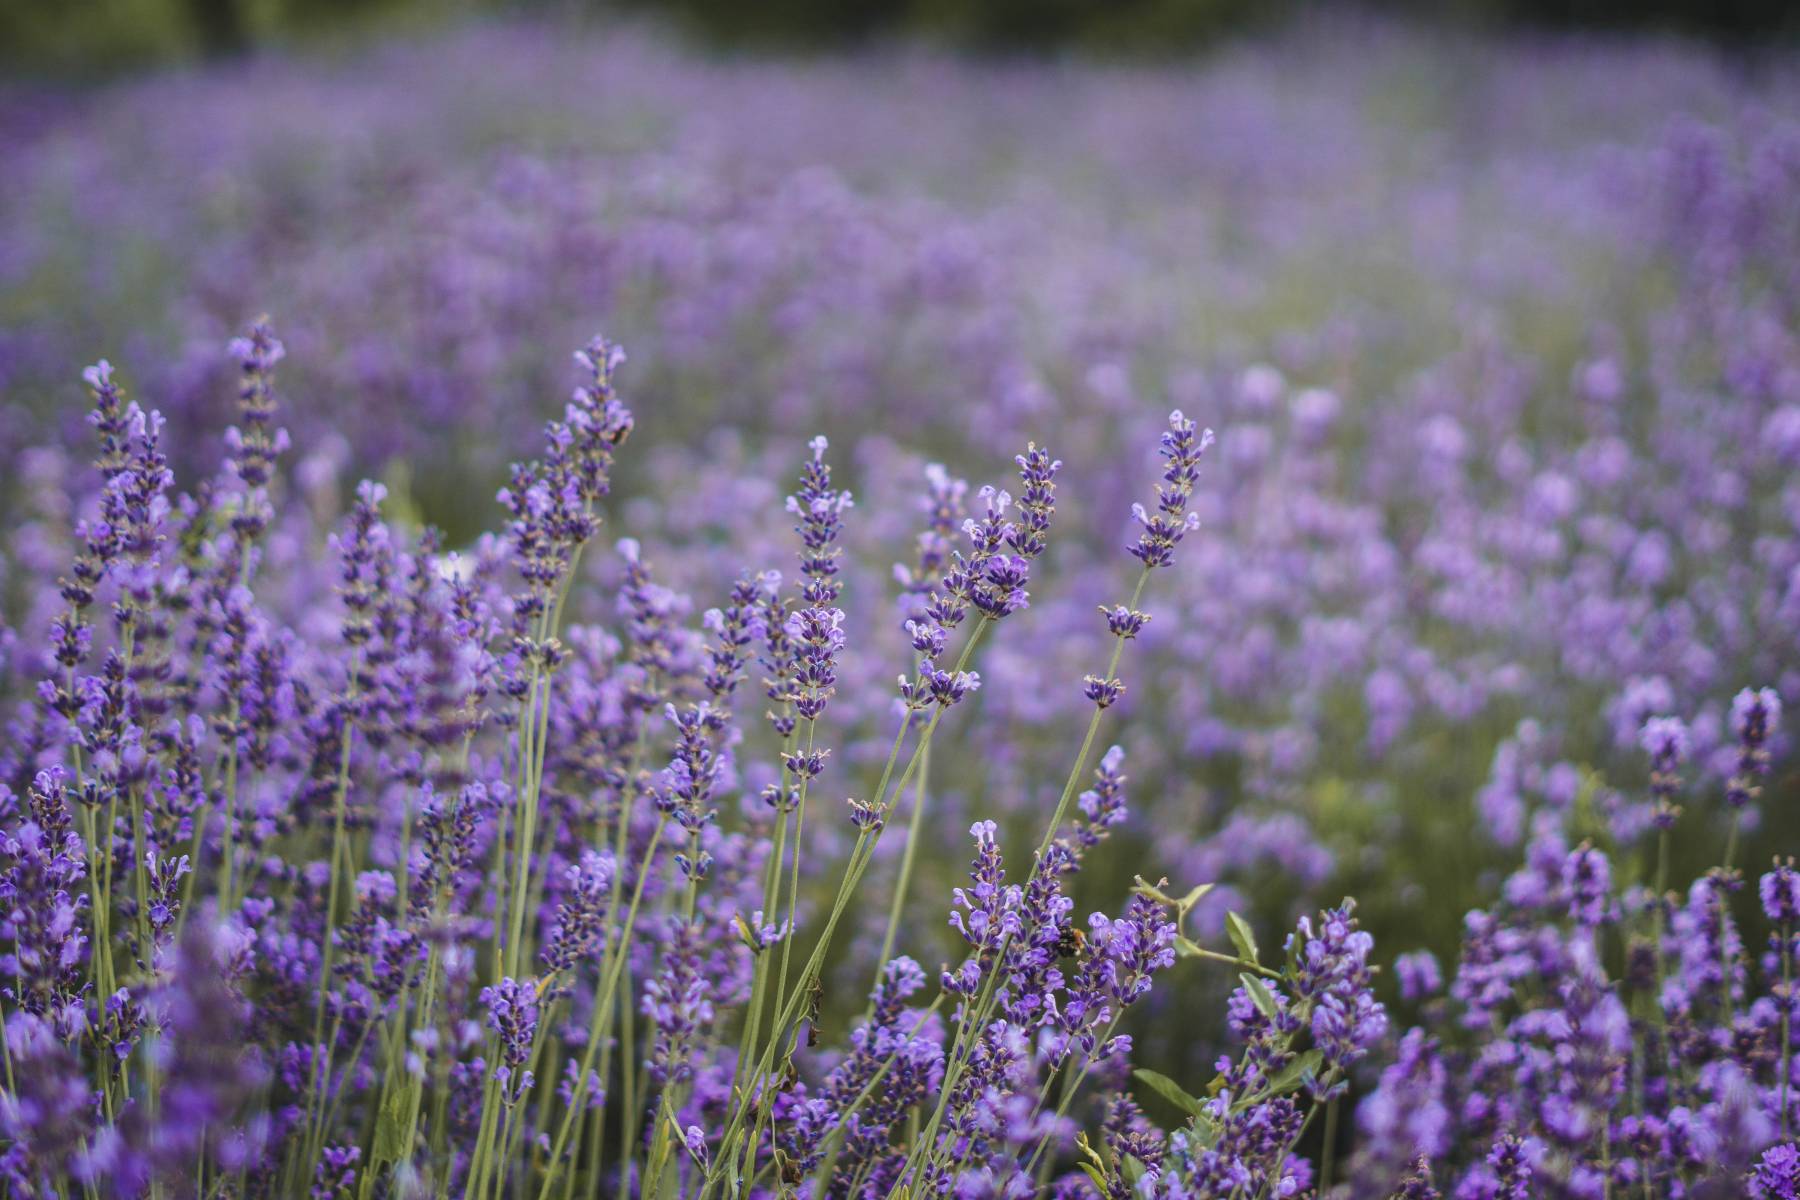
(853, 873)
(963, 1045)
(1787, 995)
(615, 959)
(897, 907)
(1328, 1154)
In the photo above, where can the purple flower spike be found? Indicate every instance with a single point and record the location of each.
(512, 1017)
(1181, 447)
(1755, 716)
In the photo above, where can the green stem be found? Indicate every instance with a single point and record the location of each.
(1242, 964)
(1068, 1093)
(1329, 1152)
(478, 1164)
(196, 846)
(1787, 985)
(963, 1046)
(789, 1011)
(633, 1079)
(898, 906)
(534, 738)
(793, 909)
(788, 1006)
(525, 831)
(860, 855)
(229, 847)
(747, 1037)
(506, 1132)
(340, 795)
(601, 1033)
(329, 1116)
(614, 965)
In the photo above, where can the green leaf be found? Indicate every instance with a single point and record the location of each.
(390, 1124)
(1242, 937)
(1182, 904)
(1186, 947)
(1094, 1174)
(1290, 1076)
(1169, 1090)
(1186, 904)
(1260, 995)
(1131, 1170)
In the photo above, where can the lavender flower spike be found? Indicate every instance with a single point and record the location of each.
(1182, 447)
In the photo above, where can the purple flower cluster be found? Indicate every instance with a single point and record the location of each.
(1606, 1033)
(289, 833)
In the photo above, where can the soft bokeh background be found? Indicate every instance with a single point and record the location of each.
(1495, 317)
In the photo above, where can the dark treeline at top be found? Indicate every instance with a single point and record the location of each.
(53, 36)
(1173, 26)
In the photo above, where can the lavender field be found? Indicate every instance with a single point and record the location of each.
(1204, 631)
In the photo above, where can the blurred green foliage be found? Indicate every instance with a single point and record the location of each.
(96, 36)
(990, 26)
(93, 37)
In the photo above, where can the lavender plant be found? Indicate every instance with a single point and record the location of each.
(519, 862)
(1610, 1036)
(417, 880)
(1504, 379)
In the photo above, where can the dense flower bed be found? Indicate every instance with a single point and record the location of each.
(441, 802)
(479, 842)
